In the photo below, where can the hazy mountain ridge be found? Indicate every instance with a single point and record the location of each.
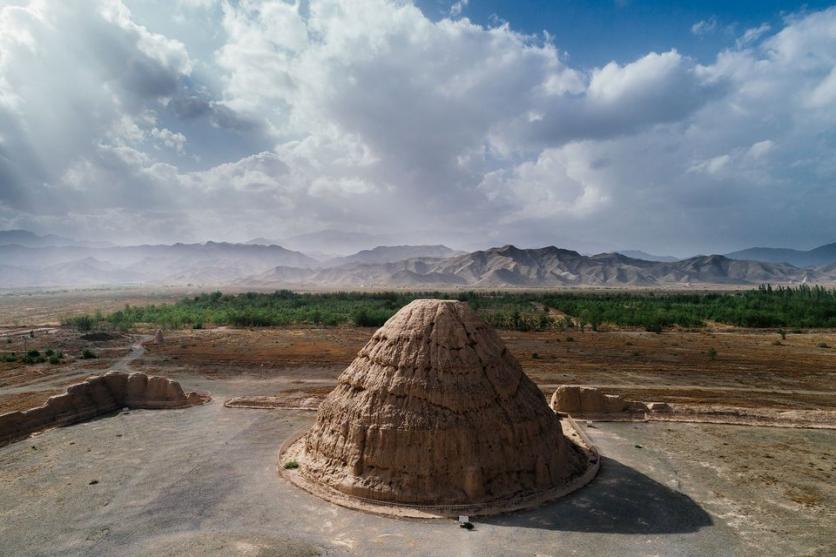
(509, 266)
(215, 264)
(816, 257)
(391, 254)
(30, 239)
(209, 263)
(639, 254)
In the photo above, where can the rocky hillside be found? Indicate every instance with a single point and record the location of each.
(509, 266)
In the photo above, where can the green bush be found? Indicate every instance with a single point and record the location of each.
(88, 354)
(712, 353)
(33, 357)
(83, 323)
(10, 357)
(367, 318)
(291, 465)
(654, 327)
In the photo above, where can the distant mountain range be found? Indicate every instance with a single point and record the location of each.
(390, 254)
(212, 263)
(508, 266)
(821, 255)
(32, 240)
(639, 254)
(50, 262)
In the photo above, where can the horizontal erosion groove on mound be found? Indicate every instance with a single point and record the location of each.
(95, 397)
(413, 421)
(293, 450)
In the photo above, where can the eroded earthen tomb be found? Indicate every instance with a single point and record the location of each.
(435, 410)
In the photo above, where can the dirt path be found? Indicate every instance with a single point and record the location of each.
(26, 331)
(137, 350)
(675, 388)
(60, 379)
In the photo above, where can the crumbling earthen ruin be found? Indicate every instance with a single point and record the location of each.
(94, 397)
(590, 401)
(434, 410)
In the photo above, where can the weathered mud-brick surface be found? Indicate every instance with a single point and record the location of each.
(94, 397)
(574, 399)
(435, 410)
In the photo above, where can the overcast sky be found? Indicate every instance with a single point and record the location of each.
(589, 125)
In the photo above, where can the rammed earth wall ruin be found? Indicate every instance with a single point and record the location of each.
(94, 397)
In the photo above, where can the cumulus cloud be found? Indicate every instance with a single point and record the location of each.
(365, 115)
(458, 7)
(753, 34)
(704, 26)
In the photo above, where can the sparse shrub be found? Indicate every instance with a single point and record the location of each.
(783, 334)
(628, 343)
(712, 353)
(8, 340)
(291, 465)
(82, 323)
(197, 325)
(777, 343)
(654, 327)
(33, 357)
(636, 353)
(535, 356)
(823, 345)
(10, 357)
(54, 360)
(365, 318)
(49, 352)
(570, 339)
(88, 354)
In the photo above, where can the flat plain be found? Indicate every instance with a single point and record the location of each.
(204, 480)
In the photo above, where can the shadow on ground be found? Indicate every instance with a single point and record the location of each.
(620, 500)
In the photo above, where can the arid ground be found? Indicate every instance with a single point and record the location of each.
(203, 480)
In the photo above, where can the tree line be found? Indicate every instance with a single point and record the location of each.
(797, 307)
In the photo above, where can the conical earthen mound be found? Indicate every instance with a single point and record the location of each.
(435, 410)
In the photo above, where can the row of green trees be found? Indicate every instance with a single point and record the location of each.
(801, 307)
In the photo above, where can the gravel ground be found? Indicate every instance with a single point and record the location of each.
(203, 481)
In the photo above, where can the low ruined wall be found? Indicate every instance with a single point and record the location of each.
(94, 397)
(577, 400)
